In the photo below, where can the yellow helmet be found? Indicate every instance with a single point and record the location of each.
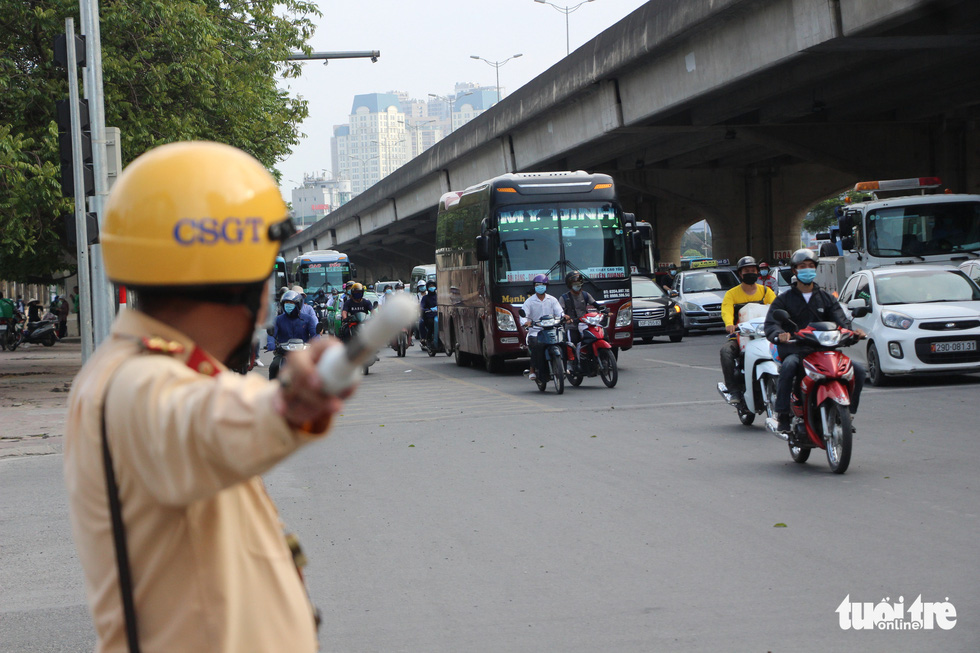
(357, 287)
(192, 213)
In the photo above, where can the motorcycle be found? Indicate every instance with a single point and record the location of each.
(821, 416)
(43, 332)
(756, 368)
(595, 353)
(322, 317)
(551, 338)
(432, 345)
(279, 358)
(400, 343)
(10, 329)
(354, 323)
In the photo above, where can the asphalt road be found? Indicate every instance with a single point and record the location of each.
(453, 510)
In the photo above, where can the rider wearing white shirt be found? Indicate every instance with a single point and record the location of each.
(535, 307)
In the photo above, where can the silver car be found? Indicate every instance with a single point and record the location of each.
(700, 293)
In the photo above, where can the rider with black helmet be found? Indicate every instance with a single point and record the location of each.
(429, 304)
(747, 292)
(356, 304)
(805, 302)
(575, 303)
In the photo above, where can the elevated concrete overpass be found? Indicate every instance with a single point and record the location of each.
(740, 112)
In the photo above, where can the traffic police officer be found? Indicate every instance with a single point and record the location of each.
(155, 421)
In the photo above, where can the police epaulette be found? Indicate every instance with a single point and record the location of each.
(158, 345)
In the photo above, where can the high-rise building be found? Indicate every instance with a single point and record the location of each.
(373, 144)
(317, 197)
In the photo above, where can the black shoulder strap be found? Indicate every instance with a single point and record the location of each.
(119, 540)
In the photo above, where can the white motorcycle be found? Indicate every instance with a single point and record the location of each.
(758, 370)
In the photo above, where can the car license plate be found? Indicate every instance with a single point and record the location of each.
(648, 323)
(714, 313)
(953, 347)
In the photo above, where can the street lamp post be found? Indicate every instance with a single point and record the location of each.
(565, 10)
(497, 65)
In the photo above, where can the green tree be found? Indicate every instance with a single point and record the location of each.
(692, 252)
(172, 70)
(821, 217)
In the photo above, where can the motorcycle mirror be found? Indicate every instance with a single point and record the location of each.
(521, 313)
(782, 318)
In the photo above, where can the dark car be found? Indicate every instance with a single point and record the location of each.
(654, 313)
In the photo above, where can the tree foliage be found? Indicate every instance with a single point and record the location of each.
(821, 217)
(172, 70)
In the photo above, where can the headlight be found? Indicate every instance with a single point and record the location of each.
(828, 338)
(625, 316)
(849, 374)
(691, 307)
(547, 322)
(594, 321)
(505, 320)
(896, 320)
(812, 372)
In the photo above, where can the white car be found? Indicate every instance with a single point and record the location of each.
(919, 319)
(972, 269)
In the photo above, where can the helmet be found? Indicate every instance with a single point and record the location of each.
(572, 277)
(290, 296)
(746, 262)
(298, 289)
(420, 284)
(282, 291)
(192, 213)
(801, 255)
(431, 283)
(763, 266)
(673, 266)
(541, 278)
(399, 286)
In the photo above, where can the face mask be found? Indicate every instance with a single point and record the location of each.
(357, 295)
(750, 278)
(577, 287)
(540, 288)
(288, 307)
(673, 273)
(432, 289)
(806, 275)
(763, 273)
(387, 291)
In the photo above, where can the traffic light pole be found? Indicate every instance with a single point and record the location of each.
(81, 224)
(103, 301)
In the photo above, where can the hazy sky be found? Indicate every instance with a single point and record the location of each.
(425, 48)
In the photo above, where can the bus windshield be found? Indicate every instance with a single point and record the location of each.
(924, 229)
(536, 239)
(314, 276)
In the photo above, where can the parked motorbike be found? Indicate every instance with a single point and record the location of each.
(595, 353)
(757, 369)
(43, 332)
(552, 338)
(10, 329)
(282, 349)
(821, 416)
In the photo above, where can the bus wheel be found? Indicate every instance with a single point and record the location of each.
(492, 363)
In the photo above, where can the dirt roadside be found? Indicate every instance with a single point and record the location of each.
(34, 384)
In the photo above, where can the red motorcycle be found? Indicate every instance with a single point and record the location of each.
(595, 352)
(821, 416)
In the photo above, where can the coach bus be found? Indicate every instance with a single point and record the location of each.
(324, 269)
(494, 237)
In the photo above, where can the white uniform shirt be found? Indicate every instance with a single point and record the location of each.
(535, 309)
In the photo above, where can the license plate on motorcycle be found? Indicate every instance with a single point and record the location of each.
(954, 347)
(648, 323)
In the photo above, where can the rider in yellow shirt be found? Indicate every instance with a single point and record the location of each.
(747, 292)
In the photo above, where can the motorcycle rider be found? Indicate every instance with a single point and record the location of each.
(429, 305)
(768, 277)
(289, 325)
(747, 292)
(420, 289)
(356, 304)
(535, 307)
(576, 303)
(805, 302)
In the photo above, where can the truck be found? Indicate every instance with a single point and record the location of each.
(906, 221)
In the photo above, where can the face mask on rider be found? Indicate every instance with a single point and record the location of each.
(387, 291)
(806, 275)
(750, 277)
(577, 287)
(432, 288)
(540, 288)
(288, 307)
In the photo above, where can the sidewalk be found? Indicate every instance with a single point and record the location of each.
(34, 384)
